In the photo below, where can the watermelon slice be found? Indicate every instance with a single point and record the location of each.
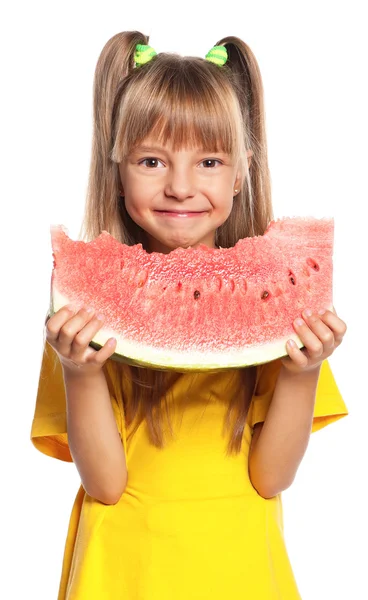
(199, 308)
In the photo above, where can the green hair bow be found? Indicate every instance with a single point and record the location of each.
(143, 54)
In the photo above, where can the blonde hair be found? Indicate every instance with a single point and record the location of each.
(187, 101)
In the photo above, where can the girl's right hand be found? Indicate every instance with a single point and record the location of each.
(70, 333)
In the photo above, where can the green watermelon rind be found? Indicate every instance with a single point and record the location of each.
(131, 354)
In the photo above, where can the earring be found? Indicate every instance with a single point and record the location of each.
(236, 191)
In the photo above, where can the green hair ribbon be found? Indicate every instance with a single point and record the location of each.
(217, 55)
(143, 54)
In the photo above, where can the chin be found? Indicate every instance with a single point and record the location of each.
(180, 244)
(166, 241)
(167, 246)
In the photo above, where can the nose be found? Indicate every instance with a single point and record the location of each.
(180, 184)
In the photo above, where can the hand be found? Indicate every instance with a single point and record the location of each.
(70, 333)
(321, 334)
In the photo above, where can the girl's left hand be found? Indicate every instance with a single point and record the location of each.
(321, 334)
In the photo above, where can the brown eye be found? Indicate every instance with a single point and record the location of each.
(151, 162)
(210, 162)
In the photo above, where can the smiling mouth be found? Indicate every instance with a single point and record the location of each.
(181, 212)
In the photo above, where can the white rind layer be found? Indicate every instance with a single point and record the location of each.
(187, 361)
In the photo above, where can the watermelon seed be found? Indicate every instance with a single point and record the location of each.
(312, 264)
(265, 295)
(196, 295)
(180, 285)
(292, 278)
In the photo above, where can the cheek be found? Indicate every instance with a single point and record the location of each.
(135, 213)
(222, 191)
(135, 197)
(133, 208)
(138, 208)
(139, 191)
(227, 207)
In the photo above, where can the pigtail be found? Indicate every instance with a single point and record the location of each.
(252, 209)
(253, 206)
(114, 64)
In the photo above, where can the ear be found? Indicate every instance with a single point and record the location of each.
(121, 188)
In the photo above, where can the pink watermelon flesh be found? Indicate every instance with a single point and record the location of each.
(199, 308)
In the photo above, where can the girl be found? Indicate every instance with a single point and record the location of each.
(181, 473)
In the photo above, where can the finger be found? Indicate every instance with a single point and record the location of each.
(324, 333)
(83, 338)
(337, 326)
(296, 354)
(57, 321)
(106, 351)
(310, 340)
(71, 328)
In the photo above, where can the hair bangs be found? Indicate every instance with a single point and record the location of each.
(181, 107)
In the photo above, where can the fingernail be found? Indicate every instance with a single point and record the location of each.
(308, 312)
(89, 309)
(322, 311)
(100, 317)
(299, 322)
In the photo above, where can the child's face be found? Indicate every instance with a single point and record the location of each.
(178, 198)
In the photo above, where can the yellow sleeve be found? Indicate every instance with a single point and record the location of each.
(49, 426)
(329, 405)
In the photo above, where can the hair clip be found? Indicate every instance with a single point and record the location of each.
(143, 54)
(217, 55)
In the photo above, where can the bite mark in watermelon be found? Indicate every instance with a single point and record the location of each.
(199, 308)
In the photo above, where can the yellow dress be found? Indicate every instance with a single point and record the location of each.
(190, 525)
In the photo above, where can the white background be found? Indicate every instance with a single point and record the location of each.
(313, 59)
